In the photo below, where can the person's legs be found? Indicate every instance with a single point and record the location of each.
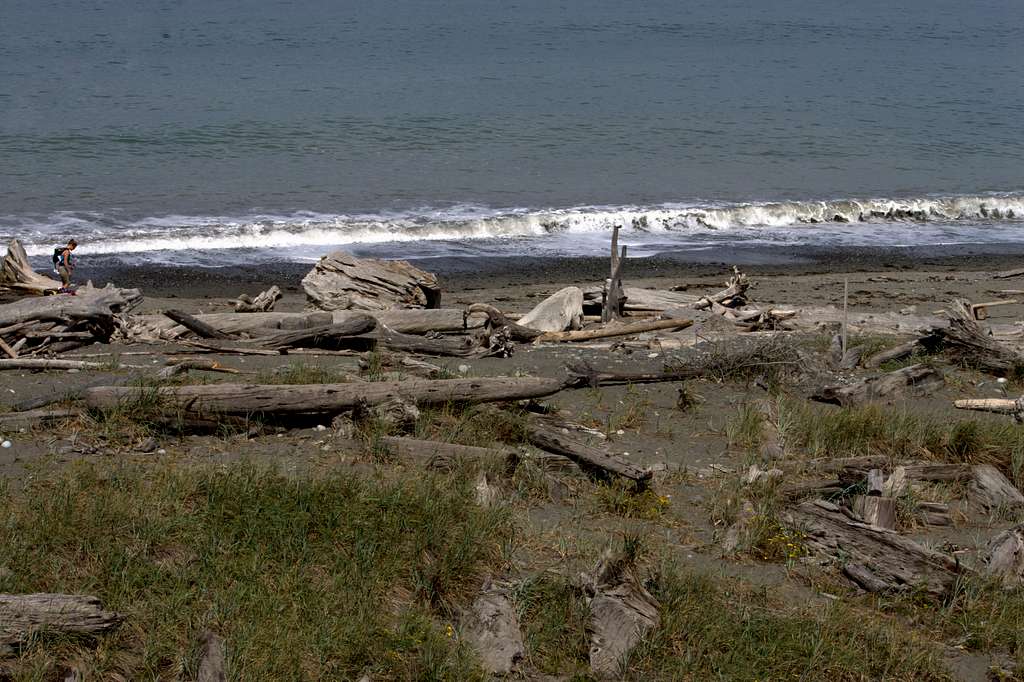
(65, 276)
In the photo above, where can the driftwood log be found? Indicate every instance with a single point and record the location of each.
(438, 455)
(341, 281)
(263, 303)
(874, 558)
(734, 294)
(612, 330)
(497, 321)
(24, 615)
(612, 296)
(245, 399)
(197, 326)
(913, 380)
(556, 438)
(62, 322)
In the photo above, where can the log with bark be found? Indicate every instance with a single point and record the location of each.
(263, 303)
(914, 380)
(341, 281)
(24, 615)
(966, 343)
(245, 399)
(17, 276)
(622, 612)
(875, 558)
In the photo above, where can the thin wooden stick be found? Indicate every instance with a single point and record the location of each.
(846, 318)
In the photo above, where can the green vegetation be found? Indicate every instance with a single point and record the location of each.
(818, 431)
(311, 579)
(300, 372)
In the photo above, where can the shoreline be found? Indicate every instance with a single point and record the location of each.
(470, 273)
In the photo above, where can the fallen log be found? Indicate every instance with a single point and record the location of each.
(460, 347)
(555, 439)
(875, 558)
(263, 303)
(966, 343)
(329, 337)
(173, 369)
(244, 399)
(340, 281)
(1010, 406)
(904, 350)
(197, 326)
(438, 455)
(40, 364)
(639, 300)
(406, 321)
(612, 330)
(914, 380)
(32, 416)
(24, 615)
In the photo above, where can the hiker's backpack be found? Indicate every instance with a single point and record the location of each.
(57, 253)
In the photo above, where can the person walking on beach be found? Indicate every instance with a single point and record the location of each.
(63, 263)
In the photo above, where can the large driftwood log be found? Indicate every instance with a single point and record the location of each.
(1005, 560)
(967, 343)
(622, 612)
(244, 399)
(17, 275)
(875, 558)
(331, 336)
(408, 321)
(491, 627)
(341, 281)
(560, 311)
(991, 491)
(913, 380)
(640, 300)
(545, 435)
(263, 303)
(23, 615)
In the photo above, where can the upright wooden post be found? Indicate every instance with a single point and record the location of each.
(612, 297)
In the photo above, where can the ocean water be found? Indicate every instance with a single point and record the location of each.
(197, 132)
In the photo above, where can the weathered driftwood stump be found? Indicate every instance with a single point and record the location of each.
(558, 312)
(913, 380)
(263, 303)
(1005, 559)
(23, 615)
(967, 343)
(875, 558)
(491, 627)
(622, 612)
(341, 281)
(17, 275)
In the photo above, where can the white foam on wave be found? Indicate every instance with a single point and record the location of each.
(106, 234)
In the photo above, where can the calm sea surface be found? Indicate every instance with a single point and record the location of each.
(186, 130)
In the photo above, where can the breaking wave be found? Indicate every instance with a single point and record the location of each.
(312, 233)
